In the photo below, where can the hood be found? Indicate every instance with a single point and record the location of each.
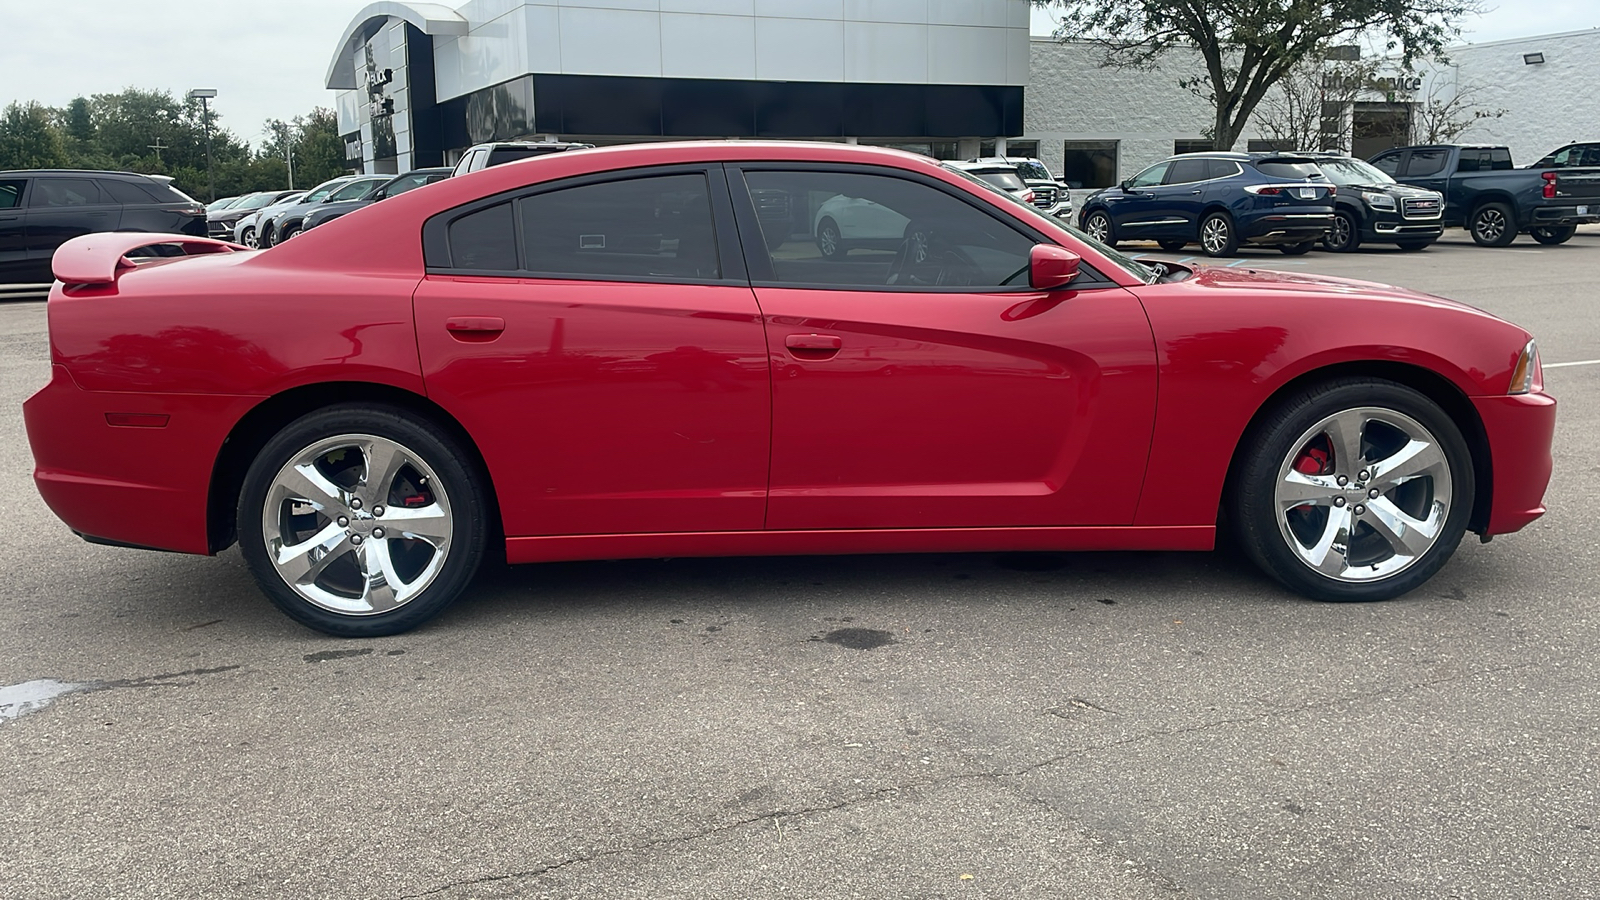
(1241, 278)
(1393, 190)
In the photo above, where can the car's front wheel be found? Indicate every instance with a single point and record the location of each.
(1355, 489)
(1553, 234)
(1217, 235)
(286, 233)
(248, 237)
(1493, 225)
(829, 242)
(1098, 226)
(362, 521)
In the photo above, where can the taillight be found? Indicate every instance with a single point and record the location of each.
(1549, 185)
(1333, 190)
(1263, 189)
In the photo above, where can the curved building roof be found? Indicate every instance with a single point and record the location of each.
(431, 18)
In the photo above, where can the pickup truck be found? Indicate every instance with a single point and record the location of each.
(1493, 200)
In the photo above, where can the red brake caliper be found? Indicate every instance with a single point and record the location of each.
(1314, 460)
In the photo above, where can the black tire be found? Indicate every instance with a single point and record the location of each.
(1553, 234)
(1410, 246)
(1172, 246)
(1296, 249)
(284, 234)
(1269, 451)
(1493, 225)
(248, 236)
(1100, 222)
(830, 242)
(1345, 234)
(1226, 237)
(454, 490)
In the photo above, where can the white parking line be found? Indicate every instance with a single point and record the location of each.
(1581, 362)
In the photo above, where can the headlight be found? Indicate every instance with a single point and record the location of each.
(1378, 201)
(1528, 375)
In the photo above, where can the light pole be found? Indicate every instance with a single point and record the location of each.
(204, 94)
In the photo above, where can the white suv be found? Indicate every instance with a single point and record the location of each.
(1050, 195)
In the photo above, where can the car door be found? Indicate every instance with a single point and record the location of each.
(599, 339)
(1426, 168)
(927, 385)
(1179, 200)
(14, 267)
(1133, 205)
(61, 208)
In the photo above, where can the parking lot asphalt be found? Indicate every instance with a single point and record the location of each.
(1096, 725)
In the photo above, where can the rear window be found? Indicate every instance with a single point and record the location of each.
(1003, 180)
(1301, 170)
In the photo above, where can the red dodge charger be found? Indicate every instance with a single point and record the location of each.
(752, 348)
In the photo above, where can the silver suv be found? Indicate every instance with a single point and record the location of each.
(482, 156)
(1050, 195)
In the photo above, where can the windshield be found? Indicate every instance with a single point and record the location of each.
(224, 203)
(1034, 171)
(1352, 171)
(1132, 266)
(355, 189)
(256, 202)
(1003, 180)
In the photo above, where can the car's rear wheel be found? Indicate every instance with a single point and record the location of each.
(1217, 235)
(1493, 225)
(1355, 489)
(829, 242)
(1172, 246)
(1296, 249)
(362, 521)
(1098, 226)
(1344, 235)
(1553, 234)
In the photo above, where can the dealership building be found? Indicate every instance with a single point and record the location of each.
(418, 83)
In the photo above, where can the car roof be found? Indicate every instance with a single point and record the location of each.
(97, 173)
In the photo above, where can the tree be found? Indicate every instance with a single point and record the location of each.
(1309, 108)
(1438, 119)
(1250, 45)
(29, 138)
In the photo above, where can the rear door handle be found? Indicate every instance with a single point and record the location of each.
(813, 346)
(475, 328)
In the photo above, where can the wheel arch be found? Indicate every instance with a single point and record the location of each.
(1430, 384)
(267, 418)
(1480, 200)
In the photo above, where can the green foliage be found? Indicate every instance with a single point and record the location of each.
(158, 134)
(29, 139)
(1250, 45)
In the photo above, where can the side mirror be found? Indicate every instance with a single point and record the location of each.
(1127, 184)
(1050, 267)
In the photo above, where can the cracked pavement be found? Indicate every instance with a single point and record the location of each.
(1093, 725)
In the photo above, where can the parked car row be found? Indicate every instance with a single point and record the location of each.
(1293, 201)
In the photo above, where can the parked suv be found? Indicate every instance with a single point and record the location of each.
(1001, 175)
(1492, 199)
(399, 184)
(1373, 208)
(482, 156)
(41, 209)
(1050, 194)
(1220, 200)
(287, 223)
(220, 222)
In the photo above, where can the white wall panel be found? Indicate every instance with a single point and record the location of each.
(799, 49)
(894, 53)
(697, 45)
(959, 55)
(609, 41)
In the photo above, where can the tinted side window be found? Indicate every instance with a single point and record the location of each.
(1221, 168)
(1188, 171)
(11, 193)
(65, 192)
(1500, 158)
(1426, 162)
(653, 227)
(869, 231)
(484, 240)
(123, 192)
(1388, 164)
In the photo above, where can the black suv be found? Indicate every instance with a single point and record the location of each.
(482, 156)
(41, 209)
(1372, 208)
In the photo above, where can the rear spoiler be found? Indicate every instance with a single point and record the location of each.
(95, 258)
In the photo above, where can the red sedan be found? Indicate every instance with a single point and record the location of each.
(643, 351)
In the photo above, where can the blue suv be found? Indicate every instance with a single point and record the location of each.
(1221, 200)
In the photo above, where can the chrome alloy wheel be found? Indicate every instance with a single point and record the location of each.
(828, 239)
(1098, 227)
(1339, 233)
(249, 239)
(1214, 235)
(1490, 224)
(1363, 494)
(357, 524)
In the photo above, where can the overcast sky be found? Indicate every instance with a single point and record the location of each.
(267, 58)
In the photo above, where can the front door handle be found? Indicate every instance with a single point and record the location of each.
(1194, 193)
(813, 346)
(475, 328)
